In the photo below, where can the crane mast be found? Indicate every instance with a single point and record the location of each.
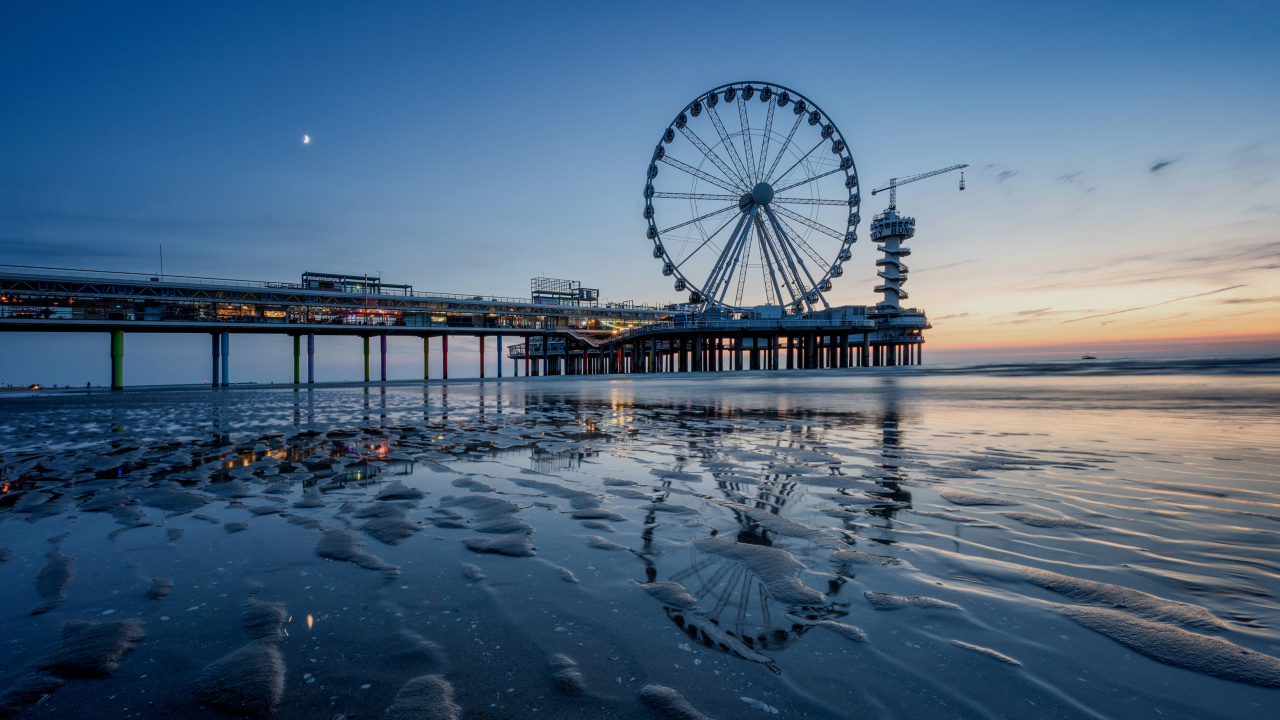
(892, 187)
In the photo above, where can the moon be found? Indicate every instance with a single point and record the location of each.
(306, 139)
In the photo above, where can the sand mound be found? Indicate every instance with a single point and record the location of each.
(53, 580)
(472, 573)
(29, 690)
(512, 545)
(671, 594)
(249, 681)
(472, 485)
(90, 649)
(670, 703)
(566, 676)
(399, 491)
(1049, 521)
(345, 545)
(885, 601)
(847, 631)
(986, 652)
(1177, 647)
(1133, 601)
(429, 697)
(779, 571)
(963, 497)
(600, 543)
(160, 587)
(853, 557)
(264, 620)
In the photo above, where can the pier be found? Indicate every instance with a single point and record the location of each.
(562, 331)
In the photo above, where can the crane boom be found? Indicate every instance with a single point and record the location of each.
(893, 184)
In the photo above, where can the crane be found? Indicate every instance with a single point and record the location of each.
(892, 187)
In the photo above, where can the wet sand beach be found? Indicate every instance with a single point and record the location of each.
(1012, 541)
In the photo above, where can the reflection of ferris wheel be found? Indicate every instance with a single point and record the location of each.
(746, 213)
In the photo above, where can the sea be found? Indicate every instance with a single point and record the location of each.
(1089, 539)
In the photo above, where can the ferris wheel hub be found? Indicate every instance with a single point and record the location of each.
(762, 194)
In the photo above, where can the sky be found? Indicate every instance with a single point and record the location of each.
(1123, 194)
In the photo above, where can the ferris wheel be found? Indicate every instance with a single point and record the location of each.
(759, 210)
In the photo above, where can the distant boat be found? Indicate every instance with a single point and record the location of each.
(1088, 356)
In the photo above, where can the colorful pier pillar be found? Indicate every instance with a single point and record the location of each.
(117, 359)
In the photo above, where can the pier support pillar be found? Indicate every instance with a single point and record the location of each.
(215, 380)
(117, 359)
(383, 349)
(866, 350)
(365, 339)
(226, 358)
(697, 353)
(526, 355)
(481, 356)
(426, 357)
(311, 358)
(546, 362)
(297, 359)
(498, 354)
(920, 354)
(444, 357)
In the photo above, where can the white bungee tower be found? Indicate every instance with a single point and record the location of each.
(889, 230)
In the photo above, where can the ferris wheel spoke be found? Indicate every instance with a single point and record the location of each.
(772, 292)
(783, 150)
(701, 217)
(799, 241)
(815, 225)
(723, 184)
(709, 237)
(723, 272)
(729, 252)
(790, 276)
(746, 137)
(742, 272)
(778, 229)
(764, 146)
(802, 182)
(695, 196)
(733, 149)
(711, 155)
(797, 163)
(809, 201)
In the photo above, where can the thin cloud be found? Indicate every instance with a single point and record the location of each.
(1145, 307)
(1250, 301)
(943, 267)
(953, 317)
(1162, 165)
(1070, 177)
(1005, 175)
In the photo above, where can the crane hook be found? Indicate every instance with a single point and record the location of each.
(961, 180)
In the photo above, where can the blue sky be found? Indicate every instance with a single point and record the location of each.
(1123, 155)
